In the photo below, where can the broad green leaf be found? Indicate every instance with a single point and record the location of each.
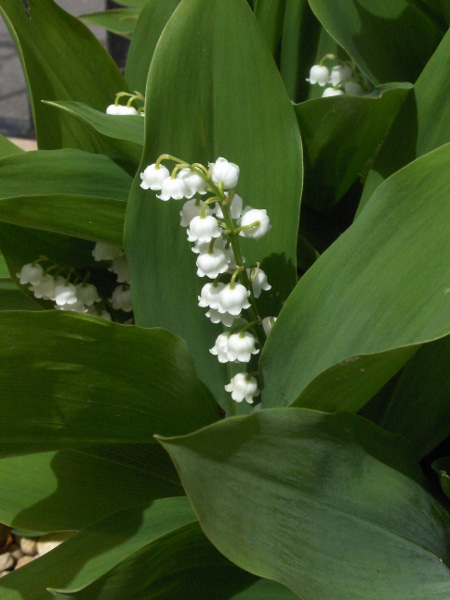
(92, 381)
(62, 60)
(326, 502)
(97, 549)
(423, 123)
(69, 489)
(376, 289)
(437, 10)
(442, 468)
(418, 407)
(125, 133)
(152, 20)
(339, 136)
(377, 36)
(270, 16)
(208, 106)
(13, 299)
(121, 21)
(7, 147)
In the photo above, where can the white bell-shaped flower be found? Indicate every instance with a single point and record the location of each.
(194, 181)
(209, 296)
(259, 219)
(330, 91)
(153, 177)
(340, 73)
(352, 87)
(30, 273)
(216, 317)
(45, 288)
(106, 251)
(64, 293)
(175, 188)
(121, 109)
(121, 298)
(78, 306)
(234, 299)
(97, 312)
(241, 346)
(203, 247)
(203, 229)
(211, 264)
(268, 323)
(220, 348)
(235, 209)
(87, 293)
(224, 172)
(191, 209)
(259, 281)
(243, 387)
(319, 74)
(121, 268)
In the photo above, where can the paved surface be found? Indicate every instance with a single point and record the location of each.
(15, 117)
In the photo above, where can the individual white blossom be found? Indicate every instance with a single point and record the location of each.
(339, 74)
(121, 268)
(234, 299)
(260, 218)
(243, 387)
(235, 208)
(211, 264)
(87, 293)
(209, 295)
(30, 273)
(319, 74)
(330, 91)
(352, 87)
(106, 251)
(259, 281)
(241, 346)
(224, 172)
(220, 348)
(121, 109)
(121, 298)
(268, 323)
(216, 317)
(153, 176)
(195, 182)
(203, 229)
(174, 187)
(78, 306)
(101, 313)
(191, 209)
(64, 292)
(45, 288)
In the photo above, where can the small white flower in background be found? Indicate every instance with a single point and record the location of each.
(268, 323)
(220, 348)
(102, 314)
(243, 387)
(106, 251)
(203, 229)
(216, 317)
(87, 293)
(258, 216)
(174, 188)
(319, 74)
(195, 183)
(352, 87)
(121, 299)
(340, 73)
(191, 209)
(259, 281)
(45, 288)
(234, 299)
(209, 296)
(30, 274)
(64, 292)
(121, 268)
(235, 209)
(78, 306)
(153, 177)
(224, 172)
(211, 264)
(120, 109)
(241, 346)
(329, 91)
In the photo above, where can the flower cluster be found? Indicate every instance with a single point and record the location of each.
(342, 79)
(125, 109)
(215, 218)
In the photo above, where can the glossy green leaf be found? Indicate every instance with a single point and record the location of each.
(422, 125)
(69, 489)
(97, 549)
(62, 60)
(208, 106)
(125, 133)
(270, 16)
(326, 502)
(418, 407)
(13, 299)
(7, 147)
(376, 289)
(152, 20)
(437, 10)
(92, 381)
(339, 136)
(121, 21)
(377, 36)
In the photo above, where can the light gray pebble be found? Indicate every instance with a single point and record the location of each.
(6, 561)
(15, 551)
(24, 561)
(27, 545)
(3, 573)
